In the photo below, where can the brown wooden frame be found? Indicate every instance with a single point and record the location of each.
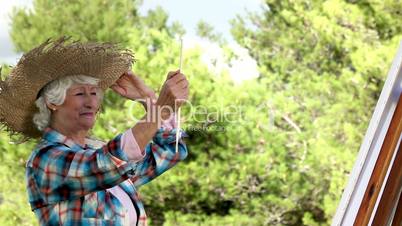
(389, 198)
(397, 221)
(391, 192)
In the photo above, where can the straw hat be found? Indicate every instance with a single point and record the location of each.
(47, 62)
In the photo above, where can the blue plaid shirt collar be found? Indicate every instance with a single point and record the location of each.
(53, 136)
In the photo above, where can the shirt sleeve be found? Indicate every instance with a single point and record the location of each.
(57, 173)
(130, 146)
(170, 123)
(160, 155)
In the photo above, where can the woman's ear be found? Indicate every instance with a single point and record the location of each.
(51, 106)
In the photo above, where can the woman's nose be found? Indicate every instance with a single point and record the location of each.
(91, 101)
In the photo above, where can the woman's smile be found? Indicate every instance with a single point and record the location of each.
(90, 115)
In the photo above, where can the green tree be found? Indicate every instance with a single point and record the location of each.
(272, 151)
(13, 200)
(322, 64)
(205, 30)
(105, 21)
(157, 51)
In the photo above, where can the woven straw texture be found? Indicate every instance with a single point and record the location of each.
(47, 62)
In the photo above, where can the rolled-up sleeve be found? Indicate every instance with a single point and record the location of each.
(160, 156)
(130, 146)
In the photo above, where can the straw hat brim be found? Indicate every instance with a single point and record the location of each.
(50, 61)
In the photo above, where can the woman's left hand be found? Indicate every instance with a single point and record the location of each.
(132, 87)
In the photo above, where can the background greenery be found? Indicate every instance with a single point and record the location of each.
(287, 156)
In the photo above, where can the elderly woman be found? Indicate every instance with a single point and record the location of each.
(71, 179)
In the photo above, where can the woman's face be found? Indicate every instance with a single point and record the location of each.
(78, 112)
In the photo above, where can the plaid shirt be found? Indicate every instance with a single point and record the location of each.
(67, 182)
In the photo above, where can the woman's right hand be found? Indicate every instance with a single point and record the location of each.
(132, 87)
(174, 92)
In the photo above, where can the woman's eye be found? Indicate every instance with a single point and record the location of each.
(79, 94)
(94, 94)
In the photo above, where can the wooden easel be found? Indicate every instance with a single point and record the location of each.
(373, 193)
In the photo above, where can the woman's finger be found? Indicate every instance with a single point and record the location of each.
(182, 82)
(130, 73)
(171, 74)
(177, 80)
(138, 80)
(118, 89)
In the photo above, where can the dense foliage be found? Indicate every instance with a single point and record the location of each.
(276, 150)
